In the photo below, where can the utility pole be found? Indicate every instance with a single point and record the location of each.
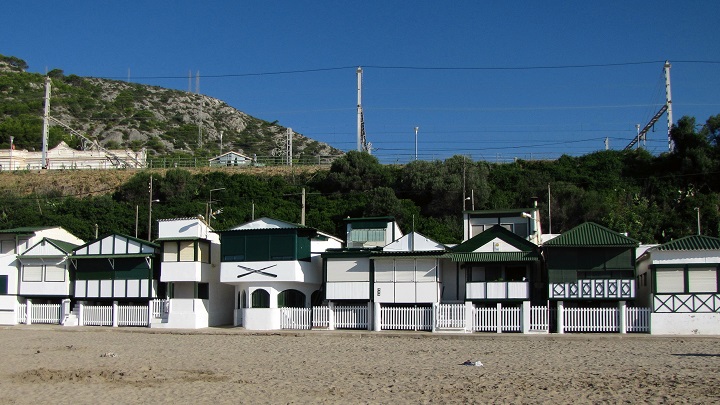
(197, 90)
(221, 135)
(698, 219)
(416, 132)
(150, 201)
(302, 214)
(288, 147)
(46, 119)
(359, 111)
(668, 103)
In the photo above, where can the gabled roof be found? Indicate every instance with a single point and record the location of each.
(496, 232)
(25, 230)
(62, 246)
(266, 223)
(231, 153)
(494, 213)
(414, 241)
(694, 242)
(141, 241)
(66, 247)
(590, 234)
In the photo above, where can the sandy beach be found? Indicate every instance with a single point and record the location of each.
(100, 365)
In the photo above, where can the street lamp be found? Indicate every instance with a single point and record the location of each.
(209, 212)
(416, 132)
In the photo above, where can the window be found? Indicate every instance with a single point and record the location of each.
(187, 251)
(702, 280)
(32, 272)
(383, 270)
(54, 273)
(669, 281)
(7, 246)
(203, 252)
(260, 299)
(203, 291)
(291, 299)
(170, 251)
(515, 273)
(3, 285)
(374, 237)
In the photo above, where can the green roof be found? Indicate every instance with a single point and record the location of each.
(109, 256)
(24, 230)
(66, 247)
(591, 234)
(494, 257)
(694, 242)
(496, 231)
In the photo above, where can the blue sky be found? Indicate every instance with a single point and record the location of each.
(486, 79)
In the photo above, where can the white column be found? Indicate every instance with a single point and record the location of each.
(373, 318)
(115, 314)
(331, 315)
(560, 316)
(81, 304)
(622, 312)
(525, 326)
(377, 319)
(498, 318)
(151, 305)
(28, 312)
(468, 316)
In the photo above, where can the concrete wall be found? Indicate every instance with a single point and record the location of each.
(685, 323)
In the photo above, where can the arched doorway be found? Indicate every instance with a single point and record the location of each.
(260, 299)
(291, 298)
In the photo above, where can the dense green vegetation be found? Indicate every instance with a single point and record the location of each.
(163, 121)
(653, 198)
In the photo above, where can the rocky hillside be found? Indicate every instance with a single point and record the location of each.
(121, 115)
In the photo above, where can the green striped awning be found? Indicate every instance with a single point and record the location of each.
(494, 257)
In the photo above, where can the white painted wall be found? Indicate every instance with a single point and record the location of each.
(685, 323)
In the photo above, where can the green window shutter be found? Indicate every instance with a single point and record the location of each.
(3, 285)
(282, 247)
(260, 299)
(258, 248)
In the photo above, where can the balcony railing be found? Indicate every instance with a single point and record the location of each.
(593, 289)
(497, 290)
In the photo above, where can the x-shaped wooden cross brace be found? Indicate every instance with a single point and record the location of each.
(260, 271)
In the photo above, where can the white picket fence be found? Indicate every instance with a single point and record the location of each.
(351, 317)
(591, 319)
(511, 319)
(160, 308)
(638, 319)
(539, 319)
(450, 316)
(97, 315)
(406, 318)
(295, 318)
(46, 313)
(484, 319)
(321, 317)
(22, 313)
(134, 315)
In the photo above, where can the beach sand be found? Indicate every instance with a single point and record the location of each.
(101, 365)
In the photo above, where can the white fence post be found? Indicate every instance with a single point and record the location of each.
(498, 318)
(28, 312)
(331, 315)
(151, 311)
(115, 314)
(65, 309)
(376, 317)
(525, 320)
(560, 317)
(622, 316)
(469, 316)
(81, 321)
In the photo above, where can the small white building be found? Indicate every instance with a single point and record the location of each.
(231, 159)
(679, 281)
(272, 264)
(64, 157)
(191, 269)
(14, 242)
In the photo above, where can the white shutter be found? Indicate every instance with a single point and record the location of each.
(348, 270)
(204, 252)
(425, 270)
(383, 270)
(170, 251)
(404, 270)
(187, 251)
(32, 272)
(670, 281)
(702, 280)
(54, 273)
